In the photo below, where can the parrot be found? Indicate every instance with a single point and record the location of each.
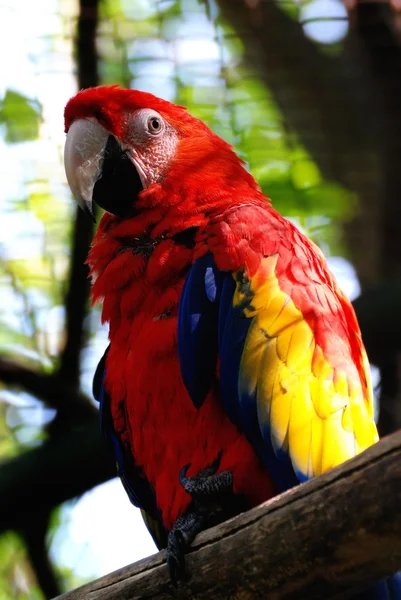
(235, 368)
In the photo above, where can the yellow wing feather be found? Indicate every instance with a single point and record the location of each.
(314, 411)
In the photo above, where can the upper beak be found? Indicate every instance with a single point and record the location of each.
(83, 159)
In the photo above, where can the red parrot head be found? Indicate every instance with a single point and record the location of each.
(121, 142)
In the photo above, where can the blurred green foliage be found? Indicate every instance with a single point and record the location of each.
(17, 580)
(20, 116)
(196, 61)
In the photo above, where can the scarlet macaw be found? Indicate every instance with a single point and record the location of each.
(236, 367)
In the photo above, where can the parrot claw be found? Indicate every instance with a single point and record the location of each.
(207, 483)
(175, 556)
(213, 500)
(180, 537)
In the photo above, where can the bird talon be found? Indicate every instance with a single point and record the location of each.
(173, 570)
(175, 555)
(183, 475)
(207, 483)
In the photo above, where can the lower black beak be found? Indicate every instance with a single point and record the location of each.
(88, 210)
(118, 187)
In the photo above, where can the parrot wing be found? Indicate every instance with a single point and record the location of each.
(292, 369)
(136, 485)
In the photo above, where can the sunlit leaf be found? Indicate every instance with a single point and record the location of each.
(21, 117)
(46, 207)
(305, 174)
(330, 199)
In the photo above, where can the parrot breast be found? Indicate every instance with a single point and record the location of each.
(140, 280)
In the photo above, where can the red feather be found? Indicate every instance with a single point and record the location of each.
(151, 408)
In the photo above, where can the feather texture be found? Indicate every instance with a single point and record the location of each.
(293, 370)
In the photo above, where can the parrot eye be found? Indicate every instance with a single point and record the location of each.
(145, 123)
(154, 125)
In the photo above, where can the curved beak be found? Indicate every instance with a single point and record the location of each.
(83, 160)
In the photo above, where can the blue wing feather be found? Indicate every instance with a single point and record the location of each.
(197, 328)
(240, 406)
(231, 332)
(210, 326)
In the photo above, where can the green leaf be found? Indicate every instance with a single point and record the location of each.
(330, 199)
(21, 117)
(305, 174)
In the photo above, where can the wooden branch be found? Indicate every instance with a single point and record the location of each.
(87, 56)
(55, 389)
(62, 468)
(15, 374)
(327, 538)
(78, 286)
(34, 533)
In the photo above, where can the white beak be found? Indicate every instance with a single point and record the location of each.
(83, 159)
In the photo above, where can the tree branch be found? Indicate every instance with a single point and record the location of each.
(34, 533)
(62, 468)
(87, 58)
(78, 285)
(14, 374)
(77, 299)
(52, 389)
(328, 538)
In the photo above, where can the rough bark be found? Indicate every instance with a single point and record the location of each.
(327, 538)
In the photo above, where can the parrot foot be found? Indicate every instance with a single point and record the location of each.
(180, 537)
(207, 484)
(213, 501)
